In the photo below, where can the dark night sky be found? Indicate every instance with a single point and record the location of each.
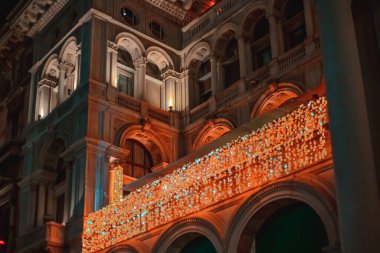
(6, 7)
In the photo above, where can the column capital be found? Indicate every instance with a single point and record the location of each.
(112, 46)
(171, 73)
(140, 60)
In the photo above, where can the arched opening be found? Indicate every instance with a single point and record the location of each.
(213, 130)
(190, 243)
(47, 93)
(202, 89)
(154, 84)
(292, 228)
(231, 63)
(226, 49)
(293, 22)
(260, 46)
(139, 160)
(199, 64)
(125, 72)
(53, 190)
(159, 88)
(276, 96)
(256, 31)
(69, 64)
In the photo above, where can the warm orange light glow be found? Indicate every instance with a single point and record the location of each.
(170, 103)
(285, 145)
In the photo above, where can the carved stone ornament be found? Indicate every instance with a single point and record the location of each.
(112, 45)
(47, 82)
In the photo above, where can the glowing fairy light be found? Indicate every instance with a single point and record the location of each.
(267, 154)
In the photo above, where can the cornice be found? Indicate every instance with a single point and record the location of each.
(34, 18)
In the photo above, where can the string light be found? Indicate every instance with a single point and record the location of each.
(278, 148)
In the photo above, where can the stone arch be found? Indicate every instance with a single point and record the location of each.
(124, 248)
(148, 138)
(223, 34)
(265, 202)
(198, 53)
(260, 6)
(275, 96)
(51, 68)
(69, 49)
(130, 43)
(190, 226)
(213, 129)
(160, 58)
(60, 136)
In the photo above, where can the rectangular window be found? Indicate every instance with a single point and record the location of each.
(125, 82)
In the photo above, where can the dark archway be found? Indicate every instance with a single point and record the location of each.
(199, 244)
(190, 243)
(294, 228)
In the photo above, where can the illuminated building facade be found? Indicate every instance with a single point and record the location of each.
(190, 126)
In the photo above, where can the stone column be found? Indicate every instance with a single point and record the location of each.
(111, 64)
(309, 22)
(274, 35)
(355, 172)
(32, 206)
(214, 75)
(61, 83)
(242, 57)
(77, 70)
(66, 212)
(219, 66)
(41, 203)
(139, 79)
(32, 102)
(169, 78)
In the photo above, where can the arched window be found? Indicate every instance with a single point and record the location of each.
(231, 63)
(204, 81)
(261, 49)
(125, 72)
(139, 162)
(47, 92)
(154, 84)
(128, 16)
(294, 23)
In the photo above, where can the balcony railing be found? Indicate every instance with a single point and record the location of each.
(199, 112)
(215, 15)
(227, 95)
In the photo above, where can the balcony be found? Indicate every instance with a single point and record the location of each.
(259, 78)
(296, 141)
(49, 236)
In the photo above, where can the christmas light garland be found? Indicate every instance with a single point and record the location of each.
(278, 148)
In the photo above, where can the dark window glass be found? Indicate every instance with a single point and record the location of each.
(232, 50)
(294, 24)
(204, 81)
(156, 30)
(261, 28)
(296, 36)
(139, 161)
(129, 16)
(125, 84)
(264, 57)
(292, 8)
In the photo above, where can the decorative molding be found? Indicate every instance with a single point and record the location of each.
(31, 20)
(47, 82)
(111, 45)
